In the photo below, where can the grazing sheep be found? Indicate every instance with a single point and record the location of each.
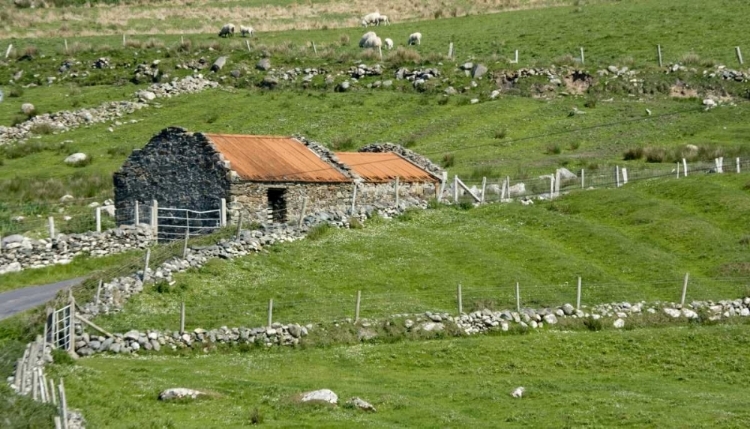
(383, 19)
(368, 40)
(244, 31)
(415, 39)
(371, 19)
(389, 43)
(227, 30)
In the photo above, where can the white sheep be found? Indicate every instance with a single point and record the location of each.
(389, 43)
(244, 31)
(383, 19)
(371, 19)
(227, 30)
(368, 40)
(415, 39)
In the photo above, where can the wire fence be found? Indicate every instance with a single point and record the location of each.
(298, 306)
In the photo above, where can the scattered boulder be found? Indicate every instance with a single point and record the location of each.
(76, 158)
(219, 64)
(361, 404)
(619, 324)
(478, 71)
(179, 393)
(322, 395)
(264, 64)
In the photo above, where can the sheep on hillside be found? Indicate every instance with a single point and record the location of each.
(415, 39)
(371, 19)
(368, 40)
(245, 31)
(389, 43)
(383, 19)
(227, 30)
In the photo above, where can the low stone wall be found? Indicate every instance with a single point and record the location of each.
(19, 253)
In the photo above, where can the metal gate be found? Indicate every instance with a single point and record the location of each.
(58, 328)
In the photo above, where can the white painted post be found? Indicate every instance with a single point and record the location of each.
(302, 214)
(185, 244)
(484, 188)
(658, 52)
(582, 59)
(270, 312)
(66, 45)
(557, 183)
(99, 291)
(51, 222)
(58, 422)
(7, 51)
(450, 50)
(516, 60)
(720, 166)
(739, 54)
(455, 189)
(617, 175)
(356, 308)
(684, 290)
(578, 295)
(247, 43)
(397, 192)
(507, 187)
(551, 187)
(223, 212)
(137, 217)
(63, 404)
(155, 220)
(314, 48)
(583, 179)
(738, 165)
(98, 219)
(678, 169)
(684, 167)
(123, 39)
(182, 318)
(354, 198)
(624, 176)
(502, 191)
(53, 397)
(443, 181)
(459, 296)
(518, 297)
(145, 264)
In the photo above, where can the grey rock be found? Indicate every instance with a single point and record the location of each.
(478, 71)
(263, 64)
(361, 404)
(322, 395)
(179, 393)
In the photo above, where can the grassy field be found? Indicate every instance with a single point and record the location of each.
(667, 378)
(632, 243)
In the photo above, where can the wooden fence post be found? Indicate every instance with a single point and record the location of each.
(484, 188)
(354, 198)
(658, 52)
(684, 290)
(270, 312)
(137, 217)
(684, 167)
(7, 51)
(356, 308)
(397, 198)
(223, 212)
(302, 213)
(518, 297)
(582, 59)
(185, 244)
(98, 219)
(51, 225)
(455, 189)
(460, 300)
(583, 179)
(99, 291)
(239, 227)
(739, 54)
(145, 265)
(182, 318)
(578, 295)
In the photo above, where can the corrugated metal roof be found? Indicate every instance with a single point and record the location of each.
(274, 159)
(384, 167)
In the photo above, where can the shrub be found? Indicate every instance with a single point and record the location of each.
(319, 231)
(344, 40)
(633, 154)
(553, 149)
(465, 205)
(501, 134)
(590, 103)
(442, 101)
(574, 145)
(256, 417)
(448, 160)
(592, 324)
(402, 55)
(42, 128)
(653, 154)
(15, 92)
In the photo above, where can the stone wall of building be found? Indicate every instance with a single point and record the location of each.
(176, 168)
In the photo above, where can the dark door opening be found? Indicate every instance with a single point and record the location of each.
(277, 204)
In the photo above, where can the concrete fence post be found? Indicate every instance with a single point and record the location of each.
(145, 265)
(583, 179)
(518, 297)
(578, 295)
(315, 49)
(617, 175)
(738, 170)
(51, 225)
(455, 189)
(736, 50)
(557, 183)
(582, 58)
(658, 53)
(459, 297)
(7, 51)
(484, 188)
(182, 318)
(684, 290)
(155, 219)
(624, 176)
(450, 50)
(270, 312)
(137, 214)
(443, 182)
(223, 213)
(98, 219)
(356, 307)
(678, 169)
(71, 322)
(684, 167)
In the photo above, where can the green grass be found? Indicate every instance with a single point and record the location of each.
(632, 243)
(668, 378)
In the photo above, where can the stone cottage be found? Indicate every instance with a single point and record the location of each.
(267, 177)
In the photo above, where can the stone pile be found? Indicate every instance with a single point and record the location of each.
(146, 72)
(109, 111)
(19, 252)
(292, 74)
(415, 75)
(193, 64)
(362, 70)
(728, 74)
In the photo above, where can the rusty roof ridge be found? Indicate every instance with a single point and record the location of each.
(328, 157)
(419, 160)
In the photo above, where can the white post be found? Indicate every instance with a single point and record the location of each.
(356, 308)
(551, 187)
(583, 179)
(455, 189)
(182, 317)
(223, 212)
(155, 220)
(450, 50)
(354, 198)
(738, 165)
(739, 54)
(678, 169)
(582, 59)
(53, 397)
(624, 175)
(98, 219)
(578, 295)
(7, 52)
(484, 187)
(247, 43)
(66, 45)
(502, 191)
(314, 48)
(270, 311)
(99, 291)
(684, 290)
(63, 405)
(658, 52)
(137, 213)
(123, 39)
(516, 60)
(617, 175)
(507, 187)
(557, 183)
(185, 243)
(460, 301)
(720, 165)
(684, 167)
(145, 265)
(518, 297)
(397, 192)
(443, 181)
(51, 222)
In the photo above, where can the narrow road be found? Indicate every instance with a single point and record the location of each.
(19, 300)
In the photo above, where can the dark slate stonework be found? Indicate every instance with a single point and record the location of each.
(176, 168)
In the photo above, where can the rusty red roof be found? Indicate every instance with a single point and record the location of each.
(384, 167)
(274, 159)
